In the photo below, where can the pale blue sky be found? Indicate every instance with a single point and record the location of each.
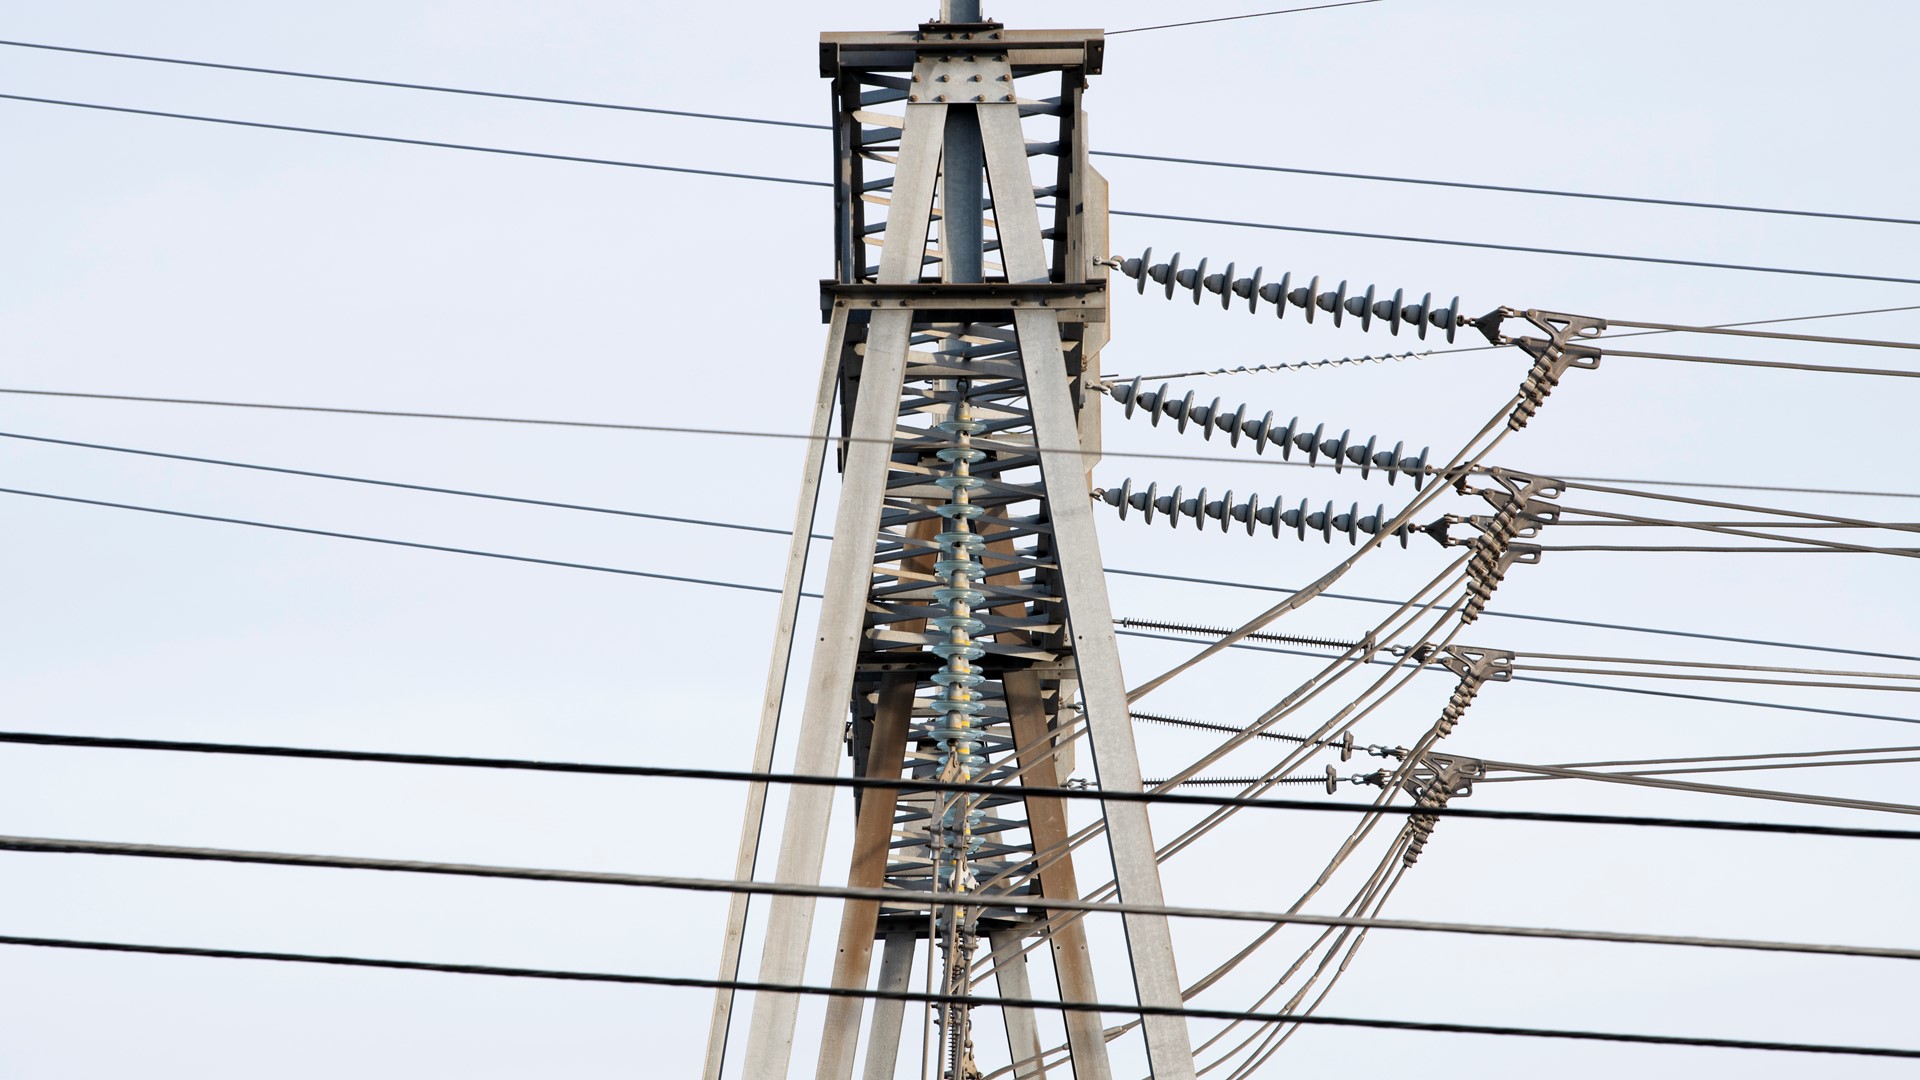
(147, 256)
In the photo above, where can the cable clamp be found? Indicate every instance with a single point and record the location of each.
(1552, 355)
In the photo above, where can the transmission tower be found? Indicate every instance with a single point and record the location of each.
(965, 634)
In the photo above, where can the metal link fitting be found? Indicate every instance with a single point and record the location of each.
(1516, 514)
(1433, 781)
(1475, 668)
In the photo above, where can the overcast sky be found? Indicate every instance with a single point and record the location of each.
(158, 257)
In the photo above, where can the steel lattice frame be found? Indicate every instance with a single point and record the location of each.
(933, 331)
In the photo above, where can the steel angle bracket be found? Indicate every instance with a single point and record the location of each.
(962, 301)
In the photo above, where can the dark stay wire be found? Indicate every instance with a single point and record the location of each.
(1237, 18)
(863, 993)
(743, 587)
(867, 783)
(1234, 223)
(33, 845)
(739, 433)
(1168, 159)
(775, 531)
(422, 142)
(740, 586)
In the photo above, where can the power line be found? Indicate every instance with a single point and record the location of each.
(419, 142)
(1737, 757)
(1481, 245)
(437, 89)
(1165, 158)
(1267, 226)
(752, 528)
(744, 587)
(1698, 770)
(1782, 365)
(1623, 627)
(1236, 18)
(664, 772)
(682, 430)
(1508, 189)
(1581, 685)
(911, 898)
(741, 586)
(1728, 328)
(657, 429)
(1734, 487)
(402, 486)
(938, 999)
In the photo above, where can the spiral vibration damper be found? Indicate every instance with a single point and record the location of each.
(1277, 518)
(1338, 450)
(1367, 307)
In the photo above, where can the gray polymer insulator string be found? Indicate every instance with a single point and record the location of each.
(1308, 298)
(1337, 450)
(1299, 520)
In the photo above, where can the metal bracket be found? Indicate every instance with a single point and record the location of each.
(1075, 301)
(1552, 355)
(1483, 665)
(1435, 774)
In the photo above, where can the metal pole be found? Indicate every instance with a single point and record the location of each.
(843, 612)
(776, 689)
(1089, 615)
(961, 234)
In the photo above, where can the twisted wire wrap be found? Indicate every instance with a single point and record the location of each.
(1395, 312)
(1340, 450)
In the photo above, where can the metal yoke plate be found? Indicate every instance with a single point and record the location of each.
(968, 78)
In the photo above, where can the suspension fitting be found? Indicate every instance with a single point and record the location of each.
(1475, 667)
(1433, 781)
(1516, 515)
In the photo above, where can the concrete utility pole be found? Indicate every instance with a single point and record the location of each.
(965, 633)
